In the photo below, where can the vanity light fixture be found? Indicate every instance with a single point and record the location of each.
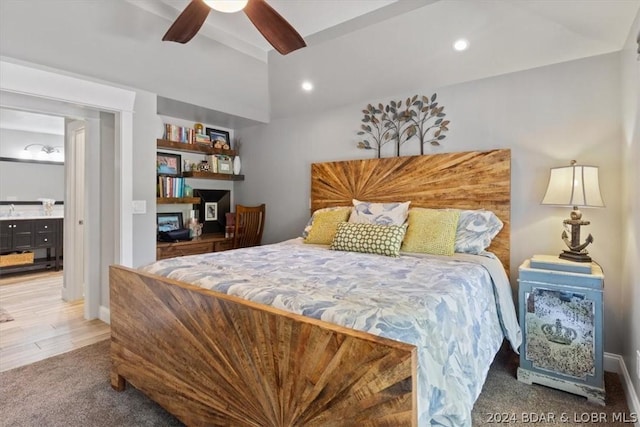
(48, 149)
(307, 86)
(46, 152)
(461, 44)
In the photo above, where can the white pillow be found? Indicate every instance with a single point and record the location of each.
(379, 213)
(476, 229)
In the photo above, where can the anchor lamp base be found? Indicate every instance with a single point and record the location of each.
(577, 251)
(575, 256)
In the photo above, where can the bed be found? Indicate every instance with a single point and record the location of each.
(254, 336)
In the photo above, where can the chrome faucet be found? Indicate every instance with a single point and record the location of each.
(12, 209)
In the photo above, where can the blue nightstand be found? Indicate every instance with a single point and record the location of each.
(561, 310)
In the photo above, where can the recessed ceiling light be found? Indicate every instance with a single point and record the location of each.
(307, 85)
(460, 45)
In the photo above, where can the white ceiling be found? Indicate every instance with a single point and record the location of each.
(605, 21)
(354, 44)
(358, 50)
(413, 51)
(235, 30)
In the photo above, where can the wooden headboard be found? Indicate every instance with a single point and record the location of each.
(465, 180)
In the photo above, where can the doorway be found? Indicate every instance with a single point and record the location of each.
(46, 86)
(43, 158)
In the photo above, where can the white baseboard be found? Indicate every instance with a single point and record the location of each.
(615, 363)
(105, 314)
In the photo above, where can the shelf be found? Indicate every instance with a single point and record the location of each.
(176, 200)
(192, 148)
(211, 175)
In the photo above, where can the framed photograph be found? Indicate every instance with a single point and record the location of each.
(221, 199)
(225, 165)
(168, 164)
(211, 211)
(219, 138)
(169, 221)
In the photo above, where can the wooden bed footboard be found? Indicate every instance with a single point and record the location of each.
(214, 359)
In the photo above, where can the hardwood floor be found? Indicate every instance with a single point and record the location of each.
(43, 324)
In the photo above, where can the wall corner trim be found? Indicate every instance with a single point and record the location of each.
(615, 363)
(105, 314)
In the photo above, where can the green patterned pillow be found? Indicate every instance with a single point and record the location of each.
(369, 238)
(325, 224)
(431, 231)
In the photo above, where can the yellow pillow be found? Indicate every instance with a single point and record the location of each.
(325, 224)
(431, 231)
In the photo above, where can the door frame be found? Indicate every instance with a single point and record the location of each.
(33, 80)
(75, 211)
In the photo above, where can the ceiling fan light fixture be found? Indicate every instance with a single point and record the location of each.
(226, 6)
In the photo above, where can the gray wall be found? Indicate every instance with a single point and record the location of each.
(145, 130)
(29, 181)
(630, 285)
(546, 116)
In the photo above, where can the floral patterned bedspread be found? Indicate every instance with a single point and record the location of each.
(445, 306)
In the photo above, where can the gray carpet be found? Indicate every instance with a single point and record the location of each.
(73, 390)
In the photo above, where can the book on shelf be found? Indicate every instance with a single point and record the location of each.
(179, 133)
(169, 186)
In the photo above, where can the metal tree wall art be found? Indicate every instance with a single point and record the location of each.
(373, 124)
(397, 120)
(400, 122)
(423, 111)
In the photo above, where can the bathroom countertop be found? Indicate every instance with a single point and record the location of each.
(29, 216)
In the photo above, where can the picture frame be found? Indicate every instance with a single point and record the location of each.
(169, 221)
(222, 199)
(225, 165)
(168, 164)
(219, 136)
(211, 211)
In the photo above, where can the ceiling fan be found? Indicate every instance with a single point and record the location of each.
(273, 27)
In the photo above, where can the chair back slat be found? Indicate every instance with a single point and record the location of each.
(249, 225)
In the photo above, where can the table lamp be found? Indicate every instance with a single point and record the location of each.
(574, 185)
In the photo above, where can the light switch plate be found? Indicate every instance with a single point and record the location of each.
(139, 206)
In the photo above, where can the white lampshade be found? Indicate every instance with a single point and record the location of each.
(574, 185)
(226, 6)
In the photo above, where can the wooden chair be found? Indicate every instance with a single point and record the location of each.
(249, 224)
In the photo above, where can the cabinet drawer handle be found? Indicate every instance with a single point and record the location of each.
(46, 240)
(46, 226)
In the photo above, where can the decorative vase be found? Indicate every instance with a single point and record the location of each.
(236, 165)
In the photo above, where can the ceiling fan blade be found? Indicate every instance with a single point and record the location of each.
(282, 36)
(186, 26)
